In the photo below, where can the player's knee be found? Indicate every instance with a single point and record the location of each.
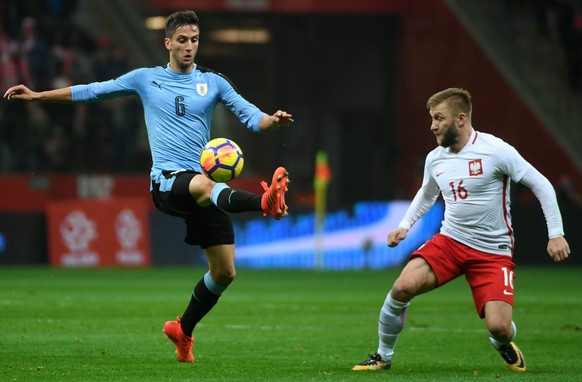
(225, 276)
(200, 188)
(416, 278)
(202, 198)
(403, 290)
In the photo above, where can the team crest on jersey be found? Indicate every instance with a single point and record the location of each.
(202, 89)
(475, 167)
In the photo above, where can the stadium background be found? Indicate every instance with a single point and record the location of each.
(355, 75)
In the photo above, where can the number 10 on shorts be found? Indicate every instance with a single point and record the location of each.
(507, 280)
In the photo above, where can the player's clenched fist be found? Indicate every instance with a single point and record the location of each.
(396, 236)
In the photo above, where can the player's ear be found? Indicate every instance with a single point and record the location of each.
(167, 43)
(461, 118)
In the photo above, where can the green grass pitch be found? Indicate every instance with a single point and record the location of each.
(273, 325)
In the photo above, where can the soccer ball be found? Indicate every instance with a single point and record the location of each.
(221, 160)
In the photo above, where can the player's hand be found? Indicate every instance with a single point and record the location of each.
(282, 118)
(558, 248)
(396, 236)
(273, 122)
(20, 92)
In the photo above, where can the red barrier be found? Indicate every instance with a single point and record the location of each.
(32, 193)
(109, 232)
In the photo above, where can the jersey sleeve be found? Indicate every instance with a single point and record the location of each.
(98, 91)
(246, 112)
(511, 162)
(520, 170)
(424, 199)
(544, 191)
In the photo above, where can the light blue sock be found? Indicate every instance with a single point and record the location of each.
(216, 190)
(212, 286)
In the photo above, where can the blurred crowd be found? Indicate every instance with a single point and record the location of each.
(42, 47)
(559, 21)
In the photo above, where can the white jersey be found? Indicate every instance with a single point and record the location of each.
(475, 186)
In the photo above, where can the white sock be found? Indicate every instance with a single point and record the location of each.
(498, 344)
(390, 324)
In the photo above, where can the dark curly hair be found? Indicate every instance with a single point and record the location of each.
(179, 19)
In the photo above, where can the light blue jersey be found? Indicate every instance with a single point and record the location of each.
(178, 109)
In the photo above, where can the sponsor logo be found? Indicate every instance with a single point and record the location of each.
(505, 292)
(439, 173)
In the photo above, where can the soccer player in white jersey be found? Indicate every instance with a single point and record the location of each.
(472, 171)
(178, 101)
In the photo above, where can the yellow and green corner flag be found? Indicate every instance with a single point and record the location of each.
(320, 182)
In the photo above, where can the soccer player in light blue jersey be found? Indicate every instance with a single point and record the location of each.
(179, 101)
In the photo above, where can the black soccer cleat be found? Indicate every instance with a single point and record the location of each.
(512, 357)
(374, 363)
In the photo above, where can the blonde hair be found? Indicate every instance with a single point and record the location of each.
(459, 99)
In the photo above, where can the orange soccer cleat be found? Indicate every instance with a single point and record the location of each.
(273, 200)
(183, 343)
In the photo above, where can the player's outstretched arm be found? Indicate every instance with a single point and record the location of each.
(558, 248)
(21, 92)
(278, 119)
(396, 236)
